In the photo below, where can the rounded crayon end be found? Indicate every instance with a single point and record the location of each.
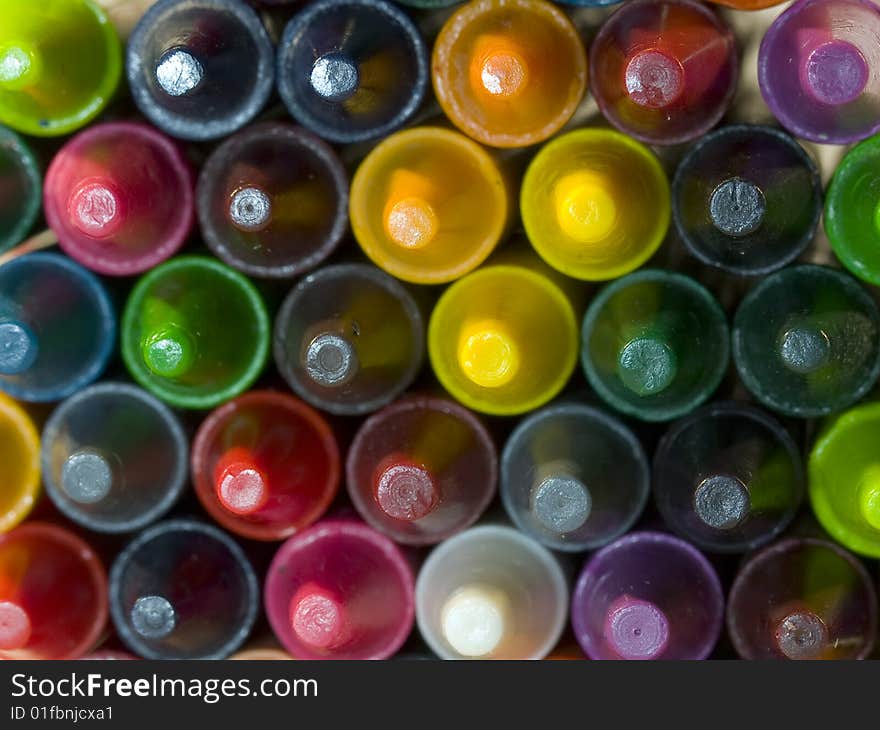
(803, 349)
(561, 503)
(636, 629)
(801, 635)
(331, 360)
(869, 497)
(15, 626)
(501, 72)
(317, 618)
(406, 491)
(646, 365)
(488, 355)
(250, 209)
(334, 77)
(95, 209)
(86, 477)
(241, 488)
(737, 207)
(473, 620)
(18, 348)
(721, 502)
(19, 66)
(153, 617)
(178, 72)
(835, 73)
(168, 353)
(585, 207)
(411, 223)
(654, 79)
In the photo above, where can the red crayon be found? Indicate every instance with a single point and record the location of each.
(265, 465)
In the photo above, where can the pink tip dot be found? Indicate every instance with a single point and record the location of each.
(636, 629)
(15, 626)
(241, 489)
(406, 491)
(317, 618)
(95, 209)
(654, 79)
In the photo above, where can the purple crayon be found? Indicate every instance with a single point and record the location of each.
(647, 596)
(819, 70)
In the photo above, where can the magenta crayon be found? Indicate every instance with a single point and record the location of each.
(119, 196)
(647, 596)
(265, 465)
(422, 469)
(53, 594)
(819, 70)
(340, 590)
(803, 598)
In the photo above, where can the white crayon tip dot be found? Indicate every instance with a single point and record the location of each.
(473, 620)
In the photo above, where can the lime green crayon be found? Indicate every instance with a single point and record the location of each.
(60, 62)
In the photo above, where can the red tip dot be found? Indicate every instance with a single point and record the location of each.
(654, 79)
(317, 617)
(240, 485)
(15, 626)
(405, 491)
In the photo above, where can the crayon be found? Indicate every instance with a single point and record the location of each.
(119, 196)
(491, 592)
(655, 344)
(183, 590)
(21, 185)
(272, 201)
(500, 354)
(852, 211)
(428, 205)
(421, 470)
(664, 71)
(595, 204)
(728, 477)
(746, 199)
(340, 590)
(200, 69)
(509, 73)
(265, 465)
(352, 70)
(573, 477)
(20, 460)
(53, 594)
(114, 458)
(647, 596)
(844, 478)
(806, 341)
(349, 339)
(195, 333)
(57, 327)
(828, 93)
(60, 63)
(802, 598)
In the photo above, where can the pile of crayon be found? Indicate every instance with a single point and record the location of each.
(331, 274)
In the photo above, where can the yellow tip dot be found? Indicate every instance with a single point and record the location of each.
(869, 497)
(488, 355)
(19, 66)
(411, 223)
(585, 206)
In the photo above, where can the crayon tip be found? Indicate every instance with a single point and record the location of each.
(498, 68)
(646, 365)
(636, 629)
(153, 617)
(250, 209)
(488, 355)
(473, 620)
(737, 207)
(561, 503)
(721, 502)
(804, 349)
(835, 73)
(178, 72)
(334, 77)
(585, 207)
(654, 79)
(19, 66)
(411, 223)
(18, 347)
(869, 496)
(95, 209)
(802, 635)
(331, 360)
(86, 476)
(317, 617)
(241, 488)
(406, 491)
(168, 352)
(15, 626)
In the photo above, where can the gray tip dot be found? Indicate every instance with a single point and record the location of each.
(331, 360)
(737, 207)
(153, 617)
(179, 72)
(18, 348)
(721, 502)
(250, 209)
(334, 77)
(86, 477)
(804, 350)
(561, 504)
(802, 635)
